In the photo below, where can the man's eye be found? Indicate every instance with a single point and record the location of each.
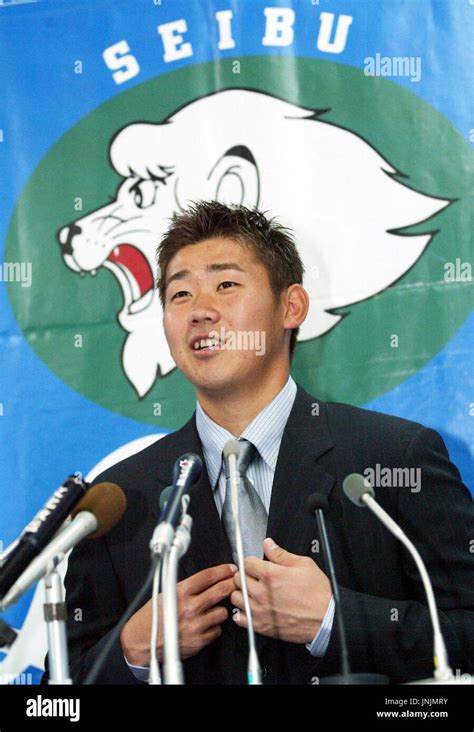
(227, 282)
(179, 293)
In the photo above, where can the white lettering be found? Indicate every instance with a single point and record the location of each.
(224, 18)
(125, 67)
(40, 707)
(324, 38)
(173, 44)
(278, 27)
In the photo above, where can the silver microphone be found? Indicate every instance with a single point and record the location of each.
(231, 454)
(359, 491)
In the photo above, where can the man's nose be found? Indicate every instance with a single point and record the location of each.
(204, 310)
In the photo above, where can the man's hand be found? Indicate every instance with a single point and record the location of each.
(199, 616)
(288, 595)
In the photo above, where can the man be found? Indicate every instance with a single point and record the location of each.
(228, 271)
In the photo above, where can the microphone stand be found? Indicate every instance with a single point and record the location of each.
(346, 676)
(173, 669)
(443, 671)
(359, 490)
(254, 673)
(55, 617)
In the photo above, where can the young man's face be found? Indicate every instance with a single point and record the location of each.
(222, 289)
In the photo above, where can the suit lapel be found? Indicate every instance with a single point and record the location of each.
(305, 439)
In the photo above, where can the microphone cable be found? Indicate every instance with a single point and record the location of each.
(136, 603)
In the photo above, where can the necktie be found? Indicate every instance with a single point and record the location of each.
(253, 515)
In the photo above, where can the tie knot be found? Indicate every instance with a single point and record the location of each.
(246, 455)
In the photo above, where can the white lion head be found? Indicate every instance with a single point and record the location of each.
(339, 196)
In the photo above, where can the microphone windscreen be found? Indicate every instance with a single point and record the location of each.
(315, 501)
(107, 502)
(354, 486)
(231, 447)
(187, 468)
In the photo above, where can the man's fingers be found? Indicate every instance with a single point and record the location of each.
(252, 584)
(237, 599)
(239, 617)
(214, 617)
(211, 635)
(255, 567)
(200, 581)
(215, 594)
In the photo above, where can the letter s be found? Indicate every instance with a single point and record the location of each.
(125, 67)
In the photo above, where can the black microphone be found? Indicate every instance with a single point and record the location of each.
(318, 503)
(186, 473)
(37, 534)
(164, 497)
(97, 512)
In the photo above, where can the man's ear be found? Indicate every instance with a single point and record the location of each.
(235, 179)
(296, 301)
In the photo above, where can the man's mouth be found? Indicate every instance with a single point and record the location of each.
(204, 344)
(207, 344)
(134, 273)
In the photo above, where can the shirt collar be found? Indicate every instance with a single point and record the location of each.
(265, 431)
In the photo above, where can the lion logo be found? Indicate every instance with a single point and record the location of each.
(340, 197)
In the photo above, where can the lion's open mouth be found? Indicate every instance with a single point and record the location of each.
(134, 273)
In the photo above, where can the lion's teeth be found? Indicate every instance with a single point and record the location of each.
(116, 251)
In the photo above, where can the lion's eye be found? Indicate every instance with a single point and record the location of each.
(144, 193)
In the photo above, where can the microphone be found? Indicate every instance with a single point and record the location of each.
(165, 496)
(8, 550)
(36, 535)
(97, 513)
(317, 504)
(359, 491)
(186, 473)
(356, 487)
(231, 454)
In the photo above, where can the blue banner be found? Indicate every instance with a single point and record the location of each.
(356, 118)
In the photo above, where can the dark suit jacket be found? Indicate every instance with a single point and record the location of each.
(382, 597)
